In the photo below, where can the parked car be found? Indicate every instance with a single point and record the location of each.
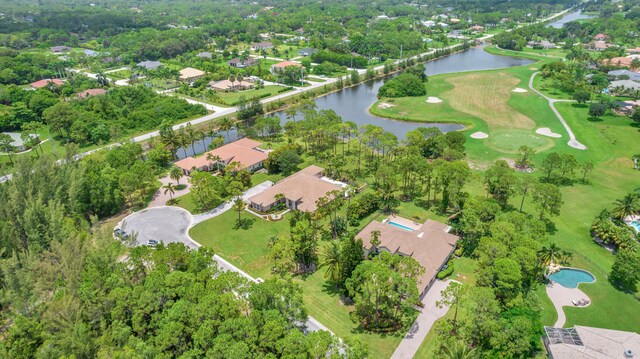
(152, 243)
(120, 233)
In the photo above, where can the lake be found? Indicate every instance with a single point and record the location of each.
(352, 104)
(577, 15)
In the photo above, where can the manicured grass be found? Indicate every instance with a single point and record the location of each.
(232, 98)
(245, 248)
(186, 202)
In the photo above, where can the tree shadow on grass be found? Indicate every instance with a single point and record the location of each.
(244, 223)
(551, 227)
(579, 105)
(594, 119)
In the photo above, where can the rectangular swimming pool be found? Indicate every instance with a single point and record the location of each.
(401, 226)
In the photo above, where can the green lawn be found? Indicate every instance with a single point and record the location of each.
(232, 98)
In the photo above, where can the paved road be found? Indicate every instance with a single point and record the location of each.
(573, 142)
(427, 317)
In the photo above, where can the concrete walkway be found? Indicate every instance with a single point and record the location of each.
(573, 142)
(198, 218)
(427, 317)
(562, 297)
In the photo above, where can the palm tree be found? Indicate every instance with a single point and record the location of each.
(192, 136)
(375, 240)
(175, 173)
(332, 262)
(458, 350)
(225, 124)
(240, 78)
(238, 206)
(169, 187)
(214, 159)
(183, 140)
(627, 206)
(551, 254)
(232, 79)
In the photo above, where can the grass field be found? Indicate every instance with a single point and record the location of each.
(232, 98)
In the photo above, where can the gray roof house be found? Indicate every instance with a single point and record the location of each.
(90, 53)
(205, 55)
(150, 65)
(16, 140)
(59, 49)
(633, 76)
(624, 84)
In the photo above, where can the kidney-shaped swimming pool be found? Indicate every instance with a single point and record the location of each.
(571, 277)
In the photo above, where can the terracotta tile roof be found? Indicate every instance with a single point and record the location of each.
(189, 72)
(45, 82)
(226, 84)
(91, 92)
(283, 64)
(430, 245)
(619, 61)
(305, 186)
(242, 151)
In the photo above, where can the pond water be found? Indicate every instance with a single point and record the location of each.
(577, 15)
(352, 104)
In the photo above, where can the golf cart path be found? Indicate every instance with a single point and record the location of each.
(573, 142)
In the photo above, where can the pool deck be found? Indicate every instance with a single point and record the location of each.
(404, 222)
(562, 297)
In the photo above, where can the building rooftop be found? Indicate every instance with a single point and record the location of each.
(587, 342)
(283, 64)
(150, 65)
(189, 72)
(430, 244)
(46, 82)
(91, 92)
(242, 151)
(304, 186)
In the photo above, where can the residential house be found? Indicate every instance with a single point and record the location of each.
(226, 85)
(60, 49)
(476, 28)
(300, 191)
(16, 140)
(307, 51)
(624, 75)
(299, 31)
(245, 152)
(588, 342)
(90, 53)
(626, 107)
(456, 34)
(544, 44)
(280, 66)
(239, 63)
(46, 82)
(618, 61)
(634, 51)
(190, 74)
(443, 25)
(262, 46)
(599, 45)
(430, 244)
(205, 55)
(150, 65)
(428, 23)
(624, 86)
(601, 37)
(90, 92)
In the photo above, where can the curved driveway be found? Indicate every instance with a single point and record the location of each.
(573, 142)
(166, 224)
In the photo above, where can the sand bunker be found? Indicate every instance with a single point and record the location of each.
(433, 100)
(545, 131)
(519, 90)
(385, 105)
(479, 135)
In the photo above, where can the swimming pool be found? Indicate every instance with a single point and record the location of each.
(401, 226)
(570, 277)
(636, 225)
